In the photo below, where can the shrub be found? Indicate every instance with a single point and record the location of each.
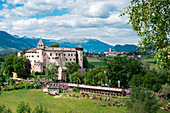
(3, 109)
(10, 87)
(40, 109)
(156, 87)
(0, 89)
(142, 101)
(75, 89)
(23, 108)
(15, 86)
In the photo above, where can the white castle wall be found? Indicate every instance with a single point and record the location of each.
(41, 56)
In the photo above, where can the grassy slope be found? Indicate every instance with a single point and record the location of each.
(149, 59)
(57, 105)
(94, 62)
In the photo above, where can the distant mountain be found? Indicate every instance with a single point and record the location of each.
(125, 48)
(9, 43)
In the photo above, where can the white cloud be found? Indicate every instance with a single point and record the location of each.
(14, 2)
(5, 5)
(86, 19)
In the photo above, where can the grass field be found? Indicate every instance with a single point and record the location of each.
(149, 61)
(63, 104)
(58, 105)
(95, 62)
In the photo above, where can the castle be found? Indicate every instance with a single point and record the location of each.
(41, 56)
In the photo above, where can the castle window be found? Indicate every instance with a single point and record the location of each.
(37, 55)
(32, 56)
(56, 54)
(74, 59)
(50, 54)
(49, 58)
(71, 54)
(59, 54)
(66, 59)
(53, 57)
(56, 57)
(70, 59)
(74, 54)
(68, 54)
(64, 54)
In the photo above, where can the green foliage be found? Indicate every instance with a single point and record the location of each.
(142, 101)
(165, 89)
(23, 108)
(121, 68)
(54, 45)
(53, 68)
(13, 63)
(150, 19)
(7, 66)
(94, 76)
(40, 109)
(149, 79)
(3, 109)
(76, 77)
(164, 78)
(0, 90)
(2, 78)
(72, 67)
(85, 62)
(136, 80)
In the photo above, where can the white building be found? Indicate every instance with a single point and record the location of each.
(41, 56)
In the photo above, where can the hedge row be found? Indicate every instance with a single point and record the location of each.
(21, 86)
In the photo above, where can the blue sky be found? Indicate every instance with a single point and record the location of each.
(58, 19)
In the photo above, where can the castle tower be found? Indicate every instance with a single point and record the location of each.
(40, 44)
(80, 55)
(110, 49)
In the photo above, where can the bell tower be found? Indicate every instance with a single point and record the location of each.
(40, 44)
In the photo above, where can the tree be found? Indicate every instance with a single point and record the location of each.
(94, 76)
(53, 69)
(142, 101)
(7, 66)
(13, 63)
(76, 77)
(23, 108)
(54, 45)
(121, 68)
(150, 19)
(149, 80)
(136, 80)
(165, 89)
(164, 78)
(2, 78)
(72, 67)
(85, 62)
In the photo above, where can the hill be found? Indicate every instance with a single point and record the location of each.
(9, 43)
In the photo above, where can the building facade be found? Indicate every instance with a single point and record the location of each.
(41, 56)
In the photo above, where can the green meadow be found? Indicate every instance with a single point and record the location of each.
(58, 105)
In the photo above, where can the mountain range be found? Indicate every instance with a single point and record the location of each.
(13, 43)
